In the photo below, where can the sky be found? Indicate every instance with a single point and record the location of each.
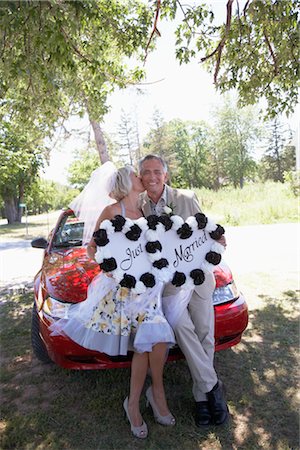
(177, 91)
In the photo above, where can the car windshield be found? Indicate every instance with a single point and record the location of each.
(69, 233)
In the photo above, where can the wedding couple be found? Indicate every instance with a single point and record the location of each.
(114, 320)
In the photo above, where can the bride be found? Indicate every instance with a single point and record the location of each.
(112, 319)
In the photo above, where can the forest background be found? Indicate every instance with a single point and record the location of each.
(76, 67)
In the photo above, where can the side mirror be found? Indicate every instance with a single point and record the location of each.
(39, 243)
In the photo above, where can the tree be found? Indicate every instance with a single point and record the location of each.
(45, 195)
(279, 157)
(190, 158)
(81, 168)
(159, 142)
(128, 139)
(256, 50)
(235, 133)
(22, 153)
(183, 146)
(60, 56)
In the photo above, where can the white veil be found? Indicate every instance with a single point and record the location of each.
(89, 204)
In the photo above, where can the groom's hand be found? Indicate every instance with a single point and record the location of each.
(222, 241)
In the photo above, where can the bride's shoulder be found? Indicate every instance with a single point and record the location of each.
(108, 213)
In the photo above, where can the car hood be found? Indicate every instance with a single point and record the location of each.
(67, 274)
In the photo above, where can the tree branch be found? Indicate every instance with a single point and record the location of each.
(154, 29)
(276, 70)
(4, 43)
(219, 48)
(184, 15)
(76, 50)
(246, 7)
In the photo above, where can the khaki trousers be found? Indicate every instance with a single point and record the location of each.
(194, 333)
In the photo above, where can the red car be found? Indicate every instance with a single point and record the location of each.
(64, 278)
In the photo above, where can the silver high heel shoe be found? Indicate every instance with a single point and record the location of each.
(168, 420)
(139, 432)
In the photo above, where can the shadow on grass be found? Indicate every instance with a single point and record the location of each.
(44, 406)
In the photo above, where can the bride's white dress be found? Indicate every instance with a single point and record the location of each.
(114, 321)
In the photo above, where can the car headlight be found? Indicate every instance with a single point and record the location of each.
(56, 309)
(225, 294)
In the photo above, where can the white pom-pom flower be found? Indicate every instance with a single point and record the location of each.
(177, 222)
(142, 223)
(210, 226)
(127, 225)
(192, 222)
(217, 247)
(154, 256)
(160, 229)
(151, 235)
(117, 274)
(167, 209)
(207, 267)
(101, 254)
(108, 226)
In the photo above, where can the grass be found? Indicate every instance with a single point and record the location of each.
(258, 203)
(45, 407)
(37, 226)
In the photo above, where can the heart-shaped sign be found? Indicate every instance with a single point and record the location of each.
(138, 253)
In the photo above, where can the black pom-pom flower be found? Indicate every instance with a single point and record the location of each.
(201, 220)
(152, 247)
(100, 237)
(128, 281)
(213, 258)
(217, 233)
(161, 263)
(166, 221)
(178, 279)
(148, 279)
(118, 222)
(152, 220)
(198, 276)
(108, 265)
(134, 233)
(185, 231)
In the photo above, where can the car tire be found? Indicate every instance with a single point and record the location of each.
(37, 343)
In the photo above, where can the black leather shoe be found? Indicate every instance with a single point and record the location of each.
(203, 414)
(217, 405)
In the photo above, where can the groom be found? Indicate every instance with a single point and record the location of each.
(195, 328)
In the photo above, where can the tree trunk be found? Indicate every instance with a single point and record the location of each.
(20, 200)
(100, 142)
(11, 210)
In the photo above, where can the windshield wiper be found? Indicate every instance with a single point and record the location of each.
(74, 243)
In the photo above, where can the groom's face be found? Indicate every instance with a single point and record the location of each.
(153, 177)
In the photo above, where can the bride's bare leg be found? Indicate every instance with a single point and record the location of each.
(157, 360)
(139, 366)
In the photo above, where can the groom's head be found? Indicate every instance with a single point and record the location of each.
(154, 173)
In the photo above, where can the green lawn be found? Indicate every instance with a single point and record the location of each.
(254, 204)
(45, 407)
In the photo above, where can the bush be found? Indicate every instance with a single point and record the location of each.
(293, 179)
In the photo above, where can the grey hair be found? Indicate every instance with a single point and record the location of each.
(123, 184)
(149, 157)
